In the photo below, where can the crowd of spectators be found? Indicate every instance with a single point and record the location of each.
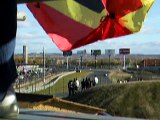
(74, 85)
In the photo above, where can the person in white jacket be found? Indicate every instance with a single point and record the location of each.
(96, 79)
(77, 84)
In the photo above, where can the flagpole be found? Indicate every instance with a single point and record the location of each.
(67, 63)
(124, 62)
(44, 65)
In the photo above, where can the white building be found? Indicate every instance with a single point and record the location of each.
(25, 54)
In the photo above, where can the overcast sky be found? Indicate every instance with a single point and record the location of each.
(147, 41)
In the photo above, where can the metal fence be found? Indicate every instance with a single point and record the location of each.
(37, 86)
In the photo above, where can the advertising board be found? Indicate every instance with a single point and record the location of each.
(110, 52)
(95, 52)
(124, 51)
(69, 53)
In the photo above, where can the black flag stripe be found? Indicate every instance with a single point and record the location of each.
(94, 5)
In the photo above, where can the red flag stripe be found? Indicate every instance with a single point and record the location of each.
(63, 30)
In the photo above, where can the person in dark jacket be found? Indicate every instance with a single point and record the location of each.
(8, 72)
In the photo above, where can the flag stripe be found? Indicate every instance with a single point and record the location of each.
(136, 19)
(95, 5)
(78, 12)
(64, 29)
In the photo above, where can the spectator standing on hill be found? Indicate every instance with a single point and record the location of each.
(77, 84)
(74, 87)
(96, 79)
(87, 83)
(83, 84)
(70, 87)
(93, 82)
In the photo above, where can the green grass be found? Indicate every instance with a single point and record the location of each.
(116, 75)
(61, 87)
(138, 100)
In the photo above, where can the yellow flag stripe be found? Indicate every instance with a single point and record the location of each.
(135, 20)
(78, 12)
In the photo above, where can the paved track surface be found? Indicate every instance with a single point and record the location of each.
(26, 114)
(102, 76)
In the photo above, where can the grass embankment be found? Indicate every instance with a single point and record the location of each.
(56, 104)
(116, 75)
(61, 87)
(41, 102)
(138, 100)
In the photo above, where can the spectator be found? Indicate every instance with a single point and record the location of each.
(93, 82)
(8, 26)
(77, 84)
(118, 81)
(87, 83)
(70, 87)
(74, 87)
(96, 79)
(83, 84)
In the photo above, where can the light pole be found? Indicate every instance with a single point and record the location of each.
(81, 53)
(109, 53)
(124, 62)
(67, 54)
(95, 53)
(44, 65)
(95, 56)
(124, 52)
(44, 68)
(109, 61)
(67, 63)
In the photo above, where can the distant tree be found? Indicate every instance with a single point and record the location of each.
(38, 61)
(18, 59)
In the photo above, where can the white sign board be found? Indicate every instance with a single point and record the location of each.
(110, 52)
(81, 52)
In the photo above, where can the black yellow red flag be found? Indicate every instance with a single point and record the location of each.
(74, 23)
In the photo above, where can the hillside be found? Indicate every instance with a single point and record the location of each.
(48, 103)
(138, 100)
